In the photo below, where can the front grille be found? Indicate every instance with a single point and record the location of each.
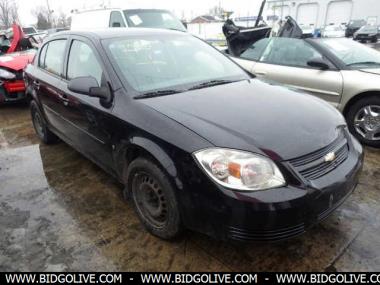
(313, 166)
(265, 235)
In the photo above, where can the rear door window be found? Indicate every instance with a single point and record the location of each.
(54, 57)
(41, 59)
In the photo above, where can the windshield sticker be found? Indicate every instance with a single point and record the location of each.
(136, 20)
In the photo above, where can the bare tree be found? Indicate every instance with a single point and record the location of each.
(8, 13)
(63, 21)
(43, 16)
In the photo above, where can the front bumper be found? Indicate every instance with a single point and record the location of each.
(365, 37)
(274, 214)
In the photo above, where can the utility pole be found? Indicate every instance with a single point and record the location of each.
(49, 12)
(260, 13)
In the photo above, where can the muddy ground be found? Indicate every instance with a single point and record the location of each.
(58, 211)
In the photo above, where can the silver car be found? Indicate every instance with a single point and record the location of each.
(340, 71)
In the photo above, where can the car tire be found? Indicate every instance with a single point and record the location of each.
(374, 40)
(40, 125)
(357, 113)
(153, 198)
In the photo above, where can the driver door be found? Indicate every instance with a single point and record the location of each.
(285, 60)
(89, 121)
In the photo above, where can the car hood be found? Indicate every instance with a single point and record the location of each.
(254, 116)
(17, 60)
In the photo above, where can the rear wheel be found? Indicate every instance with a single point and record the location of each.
(40, 126)
(153, 198)
(363, 120)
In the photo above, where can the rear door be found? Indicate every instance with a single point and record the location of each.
(285, 60)
(48, 82)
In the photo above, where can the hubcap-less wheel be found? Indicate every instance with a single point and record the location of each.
(367, 122)
(150, 199)
(38, 124)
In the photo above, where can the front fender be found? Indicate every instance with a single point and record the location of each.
(151, 147)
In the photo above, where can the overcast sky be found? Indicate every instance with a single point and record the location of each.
(190, 8)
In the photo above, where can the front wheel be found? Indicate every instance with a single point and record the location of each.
(153, 198)
(363, 120)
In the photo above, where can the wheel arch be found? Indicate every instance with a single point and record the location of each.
(358, 97)
(139, 146)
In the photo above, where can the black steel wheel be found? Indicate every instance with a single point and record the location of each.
(153, 198)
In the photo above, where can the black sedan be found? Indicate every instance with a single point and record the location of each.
(197, 141)
(367, 33)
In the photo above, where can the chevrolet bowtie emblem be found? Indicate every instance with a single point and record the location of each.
(330, 157)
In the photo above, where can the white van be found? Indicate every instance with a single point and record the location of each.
(143, 18)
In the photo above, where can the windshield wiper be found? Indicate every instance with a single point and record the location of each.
(364, 63)
(158, 93)
(211, 83)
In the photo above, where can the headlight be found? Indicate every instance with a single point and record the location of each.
(240, 170)
(372, 35)
(6, 74)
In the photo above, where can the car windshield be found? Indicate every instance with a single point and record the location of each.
(168, 62)
(352, 53)
(368, 29)
(357, 23)
(153, 19)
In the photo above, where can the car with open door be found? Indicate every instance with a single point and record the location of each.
(340, 71)
(197, 142)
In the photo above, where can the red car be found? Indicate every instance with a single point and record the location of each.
(16, 52)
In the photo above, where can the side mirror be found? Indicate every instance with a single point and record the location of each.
(116, 25)
(89, 86)
(319, 63)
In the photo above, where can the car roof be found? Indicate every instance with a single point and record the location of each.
(109, 33)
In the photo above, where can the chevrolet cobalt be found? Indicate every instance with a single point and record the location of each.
(197, 142)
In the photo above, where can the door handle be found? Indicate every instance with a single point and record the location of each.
(36, 84)
(63, 97)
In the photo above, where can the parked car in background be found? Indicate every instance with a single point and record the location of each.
(367, 33)
(353, 26)
(308, 31)
(29, 30)
(140, 18)
(341, 71)
(56, 30)
(333, 31)
(197, 142)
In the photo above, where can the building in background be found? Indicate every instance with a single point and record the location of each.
(205, 19)
(319, 13)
